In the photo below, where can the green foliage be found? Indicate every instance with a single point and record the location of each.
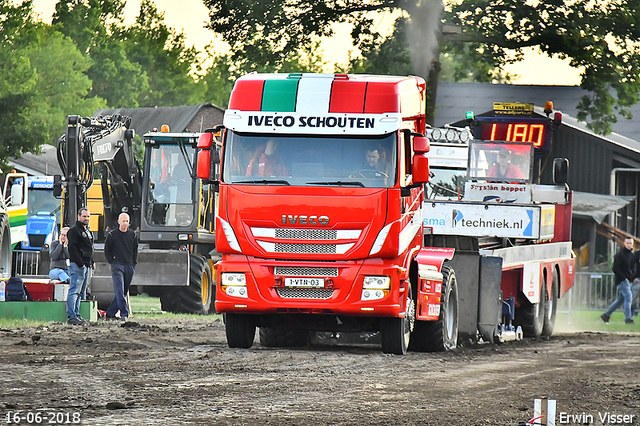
(41, 77)
(602, 38)
(599, 37)
(91, 25)
(164, 57)
(262, 33)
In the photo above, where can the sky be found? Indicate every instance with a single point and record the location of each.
(190, 16)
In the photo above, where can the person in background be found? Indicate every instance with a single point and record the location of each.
(624, 268)
(121, 251)
(266, 161)
(635, 288)
(59, 257)
(503, 168)
(80, 260)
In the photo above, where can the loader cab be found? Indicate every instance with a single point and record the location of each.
(174, 199)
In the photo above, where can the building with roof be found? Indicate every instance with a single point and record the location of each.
(187, 118)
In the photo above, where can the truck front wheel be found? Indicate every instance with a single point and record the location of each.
(440, 335)
(240, 329)
(396, 332)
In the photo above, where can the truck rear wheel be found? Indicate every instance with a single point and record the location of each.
(278, 338)
(530, 316)
(396, 332)
(240, 330)
(440, 335)
(550, 307)
(5, 246)
(197, 297)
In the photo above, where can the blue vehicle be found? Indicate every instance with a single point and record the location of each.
(33, 210)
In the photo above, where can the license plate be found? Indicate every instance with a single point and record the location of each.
(304, 282)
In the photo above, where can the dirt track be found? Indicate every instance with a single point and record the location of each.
(168, 371)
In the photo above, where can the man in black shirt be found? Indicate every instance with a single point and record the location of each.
(121, 251)
(624, 268)
(80, 260)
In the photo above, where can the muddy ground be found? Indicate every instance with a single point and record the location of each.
(168, 371)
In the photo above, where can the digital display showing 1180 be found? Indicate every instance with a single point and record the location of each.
(532, 132)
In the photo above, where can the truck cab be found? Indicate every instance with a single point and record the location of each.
(320, 205)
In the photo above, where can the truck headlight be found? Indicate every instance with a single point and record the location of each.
(375, 287)
(234, 284)
(377, 282)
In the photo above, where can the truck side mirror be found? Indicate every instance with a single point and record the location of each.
(208, 158)
(560, 170)
(420, 169)
(421, 145)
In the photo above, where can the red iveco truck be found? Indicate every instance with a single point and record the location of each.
(320, 217)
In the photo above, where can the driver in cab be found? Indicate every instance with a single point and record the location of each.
(377, 165)
(503, 168)
(266, 161)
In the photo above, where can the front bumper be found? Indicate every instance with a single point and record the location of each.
(342, 293)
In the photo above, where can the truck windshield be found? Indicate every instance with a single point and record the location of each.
(362, 161)
(170, 186)
(42, 202)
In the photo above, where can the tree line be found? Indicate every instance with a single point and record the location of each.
(87, 58)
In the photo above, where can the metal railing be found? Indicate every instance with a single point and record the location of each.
(591, 291)
(26, 262)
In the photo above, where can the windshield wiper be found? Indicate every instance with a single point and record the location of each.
(339, 182)
(265, 181)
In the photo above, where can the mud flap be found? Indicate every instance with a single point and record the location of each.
(154, 268)
(479, 299)
(490, 297)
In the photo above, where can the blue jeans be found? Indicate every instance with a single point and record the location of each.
(78, 279)
(58, 274)
(122, 276)
(624, 299)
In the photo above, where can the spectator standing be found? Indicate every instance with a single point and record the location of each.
(624, 268)
(80, 260)
(121, 251)
(635, 288)
(59, 257)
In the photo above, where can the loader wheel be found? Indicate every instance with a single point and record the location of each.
(530, 316)
(279, 338)
(5, 247)
(440, 335)
(396, 332)
(550, 307)
(240, 329)
(197, 297)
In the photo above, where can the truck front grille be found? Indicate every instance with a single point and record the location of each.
(306, 241)
(306, 234)
(300, 271)
(37, 240)
(306, 293)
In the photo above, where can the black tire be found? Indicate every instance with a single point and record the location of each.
(551, 306)
(440, 335)
(197, 297)
(530, 316)
(396, 332)
(278, 338)
(5, 246)
(240, 330)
